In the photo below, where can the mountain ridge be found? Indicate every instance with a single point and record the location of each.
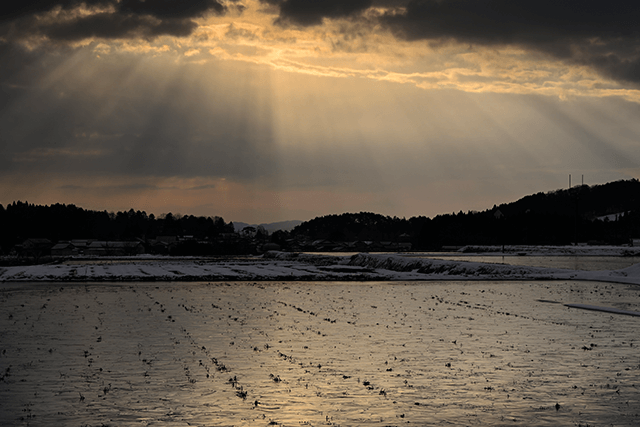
(557, 217)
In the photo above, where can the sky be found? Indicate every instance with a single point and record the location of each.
(270, 110)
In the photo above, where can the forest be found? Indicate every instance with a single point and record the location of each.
(60, 222)
(601, 214)
(557, 217)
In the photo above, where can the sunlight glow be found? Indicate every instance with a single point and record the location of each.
(255, 119)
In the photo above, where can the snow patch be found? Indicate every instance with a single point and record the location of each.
(299, 266)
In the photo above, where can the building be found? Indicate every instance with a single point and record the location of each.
(64, 249)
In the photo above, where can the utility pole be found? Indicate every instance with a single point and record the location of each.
(575, 222)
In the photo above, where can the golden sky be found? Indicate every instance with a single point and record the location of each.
(261, 111)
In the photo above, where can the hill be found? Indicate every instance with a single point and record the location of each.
(590, 201)
(564, 216)
(607, 214)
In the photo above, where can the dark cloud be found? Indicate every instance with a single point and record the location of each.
(115, 19)
(505, 21)
(602, 34)
(306, 13)
(10, 11)
(117, 26)
(164, 9)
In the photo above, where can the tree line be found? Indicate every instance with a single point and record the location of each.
(557, 217)
(554, 218)
(60, 222)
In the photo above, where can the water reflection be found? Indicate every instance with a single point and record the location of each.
(482, 353)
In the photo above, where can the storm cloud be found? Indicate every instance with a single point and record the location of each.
(601, 35)
(308, 13)
(604, 35)
(108, 19)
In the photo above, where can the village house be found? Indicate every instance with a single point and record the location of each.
(63, 249)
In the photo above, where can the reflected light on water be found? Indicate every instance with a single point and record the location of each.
(342, 354)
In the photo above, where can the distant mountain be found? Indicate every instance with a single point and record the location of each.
(270, 227)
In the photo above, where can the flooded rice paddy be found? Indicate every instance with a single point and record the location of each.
(319, 354)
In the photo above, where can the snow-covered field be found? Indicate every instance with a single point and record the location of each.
(296, 266)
